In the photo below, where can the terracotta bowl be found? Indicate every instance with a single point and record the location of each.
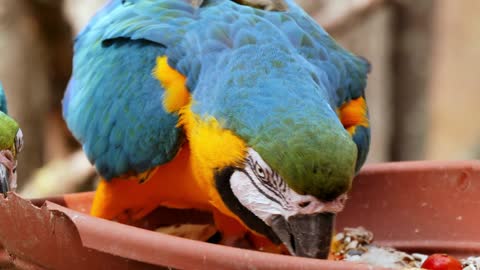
(414, 206)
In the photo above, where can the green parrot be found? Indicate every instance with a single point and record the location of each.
(247, 109)
(11, 143)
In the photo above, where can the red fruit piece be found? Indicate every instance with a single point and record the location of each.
(441, 262)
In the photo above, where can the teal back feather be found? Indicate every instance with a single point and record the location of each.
(3, 100)
(274, 78)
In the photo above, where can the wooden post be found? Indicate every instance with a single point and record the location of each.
(411, 38)
(454, 94)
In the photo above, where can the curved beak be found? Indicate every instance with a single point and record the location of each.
(4, 180)
(8, 175)
(306, 235)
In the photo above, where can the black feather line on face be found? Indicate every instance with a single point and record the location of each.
(222, 182)
(270, 180)
(261, 191)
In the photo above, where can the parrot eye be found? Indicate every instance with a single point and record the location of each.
(19, 141)
(259, 171)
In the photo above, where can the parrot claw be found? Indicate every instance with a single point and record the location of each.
(269, 5)
(196, 3)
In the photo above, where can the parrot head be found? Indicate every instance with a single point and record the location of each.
(11, 143)
(301, 218)
(291, 187)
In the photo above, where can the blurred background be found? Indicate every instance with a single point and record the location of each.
(423, 91)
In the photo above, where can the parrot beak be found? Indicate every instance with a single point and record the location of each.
(8, 175)
(306, 235)
(4, 180)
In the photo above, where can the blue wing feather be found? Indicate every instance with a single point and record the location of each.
(113, 106)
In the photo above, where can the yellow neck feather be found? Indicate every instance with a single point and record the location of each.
(353, 114)
(212, 147)
(176, 93)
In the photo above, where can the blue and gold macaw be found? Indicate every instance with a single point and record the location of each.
(11, 143)
(240, 108)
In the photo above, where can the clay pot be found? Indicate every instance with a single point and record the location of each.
(415, 206)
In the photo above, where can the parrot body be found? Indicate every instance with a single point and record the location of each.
(257, 116)
(11, 143)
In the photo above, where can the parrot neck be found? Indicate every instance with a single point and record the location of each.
(212, 148)
(207, 141)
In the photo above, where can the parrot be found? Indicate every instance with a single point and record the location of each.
(11, 144)
(248, 110)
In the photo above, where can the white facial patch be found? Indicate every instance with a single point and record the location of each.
(19, 141)
(264, 193)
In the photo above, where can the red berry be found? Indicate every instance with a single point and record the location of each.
(441, 262)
